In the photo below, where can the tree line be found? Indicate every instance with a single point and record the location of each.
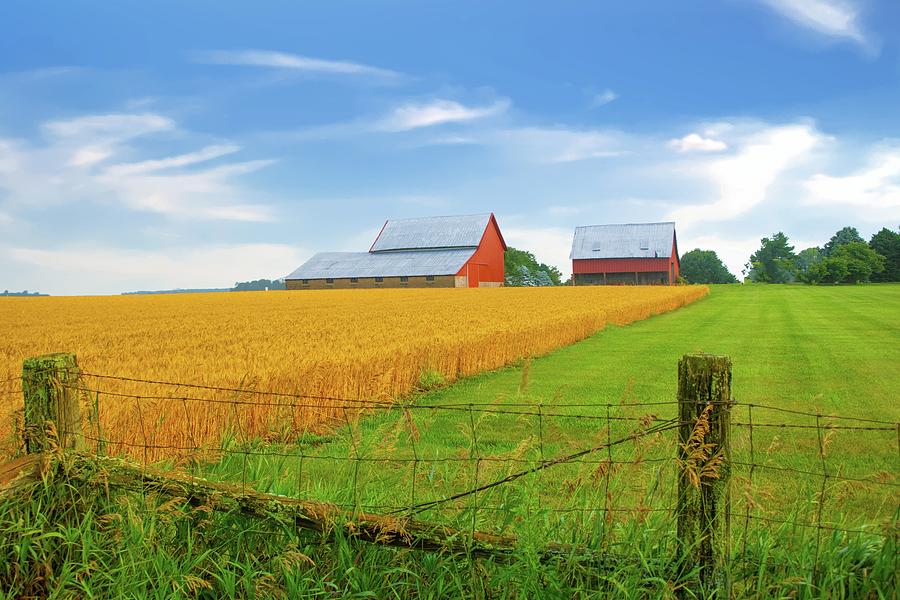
(845, 258)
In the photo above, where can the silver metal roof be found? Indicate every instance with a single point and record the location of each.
(383, 264)
(461, 231)
(632, 240)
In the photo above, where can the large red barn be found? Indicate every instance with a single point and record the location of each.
(634, 253)
(454, 251)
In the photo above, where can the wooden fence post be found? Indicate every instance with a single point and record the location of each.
(704, 457)
(49, 385)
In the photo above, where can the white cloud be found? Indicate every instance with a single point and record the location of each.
(109, 126)
(694, 142)
(112, 270)
(836, 18)
(604, 97)
(437, 112)
(69, 168)
(284, 60)
(550, 245)
(453, 140)
(89, 155)
(875, 188)
(181, 160)
(558, 145)
(742, 181)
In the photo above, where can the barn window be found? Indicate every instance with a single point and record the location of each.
(329, 280)
(404, 279)
(598, 246)
(306, 282)
(379, 280)
(429, 278)
(645, 244)
(354, 280)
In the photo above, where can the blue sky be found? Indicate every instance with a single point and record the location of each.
(168, 144)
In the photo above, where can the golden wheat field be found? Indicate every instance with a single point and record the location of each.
(326, 346)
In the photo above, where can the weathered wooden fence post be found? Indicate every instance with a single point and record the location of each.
(49, 386)
(704, 455)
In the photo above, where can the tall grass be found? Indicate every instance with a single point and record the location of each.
(59, 541)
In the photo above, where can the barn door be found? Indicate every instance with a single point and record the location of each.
(474, 275)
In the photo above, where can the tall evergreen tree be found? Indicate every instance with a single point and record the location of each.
(887, 244)
(847, 235)
(774, 261)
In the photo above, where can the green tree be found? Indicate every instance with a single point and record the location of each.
(862, 261)
(853, 262)
(774, 261)
(258, 285)
(523, 269)
(887, 244)
(806, 264)
(704, 266)
(847, 235)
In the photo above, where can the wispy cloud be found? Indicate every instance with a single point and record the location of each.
(72, 166)
(558, 144)
(181, 160)
(742, 181)
(604, 97)
(115, 126)
(694, 142)
(875, 188)
(835, 18)
(284, 60)
(437, 112)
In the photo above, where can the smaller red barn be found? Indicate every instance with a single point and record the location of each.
(633, 253)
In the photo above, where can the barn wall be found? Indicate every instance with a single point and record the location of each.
(620, 265)
(485, 268)
(440, 281)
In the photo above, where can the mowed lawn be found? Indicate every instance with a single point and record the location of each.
(833, 350)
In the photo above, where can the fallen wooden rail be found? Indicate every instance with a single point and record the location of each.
(321, 517)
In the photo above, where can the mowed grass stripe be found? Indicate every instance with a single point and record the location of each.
(798, 348)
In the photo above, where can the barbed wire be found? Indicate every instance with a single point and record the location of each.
(828, 426)
(370, 401)
(545, 465)
(756, 465)
(821, 526)
(816, 414)
(357, 405)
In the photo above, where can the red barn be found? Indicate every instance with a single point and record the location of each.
(456, 251)
(635, 253)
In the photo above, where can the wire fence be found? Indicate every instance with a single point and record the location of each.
(567, 472)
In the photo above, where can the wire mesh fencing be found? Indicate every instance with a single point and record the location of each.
(586, 475)
(571, 470)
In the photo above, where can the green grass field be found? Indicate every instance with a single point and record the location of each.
(829, 350)
(833, 350)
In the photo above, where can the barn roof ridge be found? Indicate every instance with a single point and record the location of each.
(624, 240)
(452, 231)
(481, 214)
(625, 224)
